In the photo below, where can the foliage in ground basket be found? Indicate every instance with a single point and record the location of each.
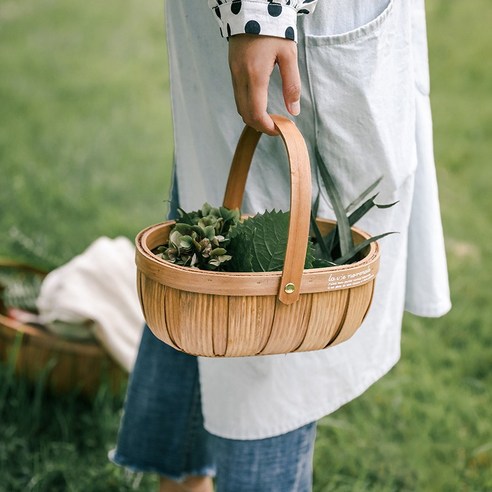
(260, 285)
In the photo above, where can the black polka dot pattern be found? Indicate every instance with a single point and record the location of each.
(274, 9)
(290, 33)
(252, 27)
(236, 6)
(260, 17)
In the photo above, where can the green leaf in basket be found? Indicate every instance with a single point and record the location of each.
(259, 243)
(343, 226)
(185, 217)
(358, 213)
(324, 251)
(332, 238)
(350, 256)
(323, 263)
(241, 253)
(363, 195)
(199, 238)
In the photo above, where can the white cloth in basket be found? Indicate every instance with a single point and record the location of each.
(98, 285)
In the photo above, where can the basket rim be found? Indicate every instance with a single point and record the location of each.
(251, 283)
(12, 327)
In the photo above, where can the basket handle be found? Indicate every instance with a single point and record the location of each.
(300, 197)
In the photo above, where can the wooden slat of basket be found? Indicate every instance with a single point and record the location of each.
(289, 328)
(173, 316)
(195, 319)
(357, 307)
(155, 316)
(250, 321)
(221, 305)
(327, 313)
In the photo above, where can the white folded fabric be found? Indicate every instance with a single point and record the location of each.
(98, 285)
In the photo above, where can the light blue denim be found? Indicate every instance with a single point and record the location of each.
(162, 432)
(277, 464)
(162, 429)
(162, 426)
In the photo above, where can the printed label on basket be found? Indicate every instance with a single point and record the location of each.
(346, 280)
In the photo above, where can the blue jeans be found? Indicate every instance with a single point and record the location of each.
(162, 430)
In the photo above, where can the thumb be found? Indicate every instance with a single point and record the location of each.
(291, 80)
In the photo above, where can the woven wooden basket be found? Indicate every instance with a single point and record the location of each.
(217, 314)
(65, 365)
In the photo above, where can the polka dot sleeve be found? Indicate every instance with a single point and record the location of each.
(266, 17)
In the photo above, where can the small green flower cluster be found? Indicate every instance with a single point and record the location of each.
(199, 239)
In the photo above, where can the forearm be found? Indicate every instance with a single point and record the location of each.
(262, 34)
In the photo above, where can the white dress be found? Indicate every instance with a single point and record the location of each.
(365, 104)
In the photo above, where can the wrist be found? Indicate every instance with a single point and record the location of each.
(257, 18)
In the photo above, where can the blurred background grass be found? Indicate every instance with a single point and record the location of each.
(86, 144)
(86, 150)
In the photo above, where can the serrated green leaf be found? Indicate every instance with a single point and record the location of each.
(241, 256)
(269, 241)
(262, 241)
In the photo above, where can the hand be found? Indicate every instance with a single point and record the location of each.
(252, 59)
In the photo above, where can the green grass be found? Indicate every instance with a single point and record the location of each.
(86, 141)
(58, 444)
(87, 152)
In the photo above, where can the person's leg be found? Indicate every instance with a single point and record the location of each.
(162, 426)
(277, 464)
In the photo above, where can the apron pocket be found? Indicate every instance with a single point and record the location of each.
(364, 31)
(362, 83)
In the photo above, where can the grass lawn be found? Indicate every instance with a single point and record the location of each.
(86, 142)
(85, 151)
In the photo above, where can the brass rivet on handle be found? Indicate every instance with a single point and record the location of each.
(289, 288)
